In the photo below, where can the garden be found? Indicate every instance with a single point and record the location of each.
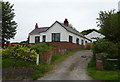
(19, 62)
(109, 53)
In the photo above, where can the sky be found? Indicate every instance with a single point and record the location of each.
(81, 14)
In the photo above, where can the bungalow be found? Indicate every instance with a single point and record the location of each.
(57, 32)
(94, 35)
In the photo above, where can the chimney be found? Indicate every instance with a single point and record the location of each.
(66, 23)
(36, 26)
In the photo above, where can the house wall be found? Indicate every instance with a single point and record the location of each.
(57, 28)
(94, 35)
(32, 38)
(119, 6)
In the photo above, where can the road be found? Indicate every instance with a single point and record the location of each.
(72, 68)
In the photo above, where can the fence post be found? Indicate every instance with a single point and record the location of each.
(37, 59)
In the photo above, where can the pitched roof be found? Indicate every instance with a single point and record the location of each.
(71, 29)
(44, 29)
(74, 31)
(38, 30)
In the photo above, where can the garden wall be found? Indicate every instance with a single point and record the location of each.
(62, 47)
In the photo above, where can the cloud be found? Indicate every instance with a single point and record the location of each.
(68, 1)
(81, 14)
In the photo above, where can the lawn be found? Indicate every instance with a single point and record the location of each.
(101, 74)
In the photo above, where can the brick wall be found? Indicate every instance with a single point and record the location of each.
(66, 45)
(62, 47)
(99, 62)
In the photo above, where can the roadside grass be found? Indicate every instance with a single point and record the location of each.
(56, 59)
(101, 74)
(38, 70)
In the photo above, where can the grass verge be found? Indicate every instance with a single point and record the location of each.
(101, 74)
(56, 59)
(37, 70)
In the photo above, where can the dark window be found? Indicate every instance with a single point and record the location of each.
(44, 38)
(28, 39)
(85, 41)
(82, 42)
(55, 37)
(77, 41)
(70, 39)
(37, 39)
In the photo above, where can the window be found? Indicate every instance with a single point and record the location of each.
(70, 39)
(82, 42)
(44, 38)
(85, 41)
(37, 39)
(77, 41)
(55, 37)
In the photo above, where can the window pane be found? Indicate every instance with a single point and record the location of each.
(77, 41)
(37, 39)
(44, 38)
(82, 42)
(56, 37)
(70, 39)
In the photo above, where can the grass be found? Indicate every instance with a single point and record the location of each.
(10, 62)
(57, 58)
(101, 74)
(71, 68)
(38, 70)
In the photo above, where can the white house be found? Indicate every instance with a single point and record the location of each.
(57, 32)
(119, 6)
(93, 35)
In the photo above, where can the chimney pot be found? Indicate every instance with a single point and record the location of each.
(66, 23)
(36, 26)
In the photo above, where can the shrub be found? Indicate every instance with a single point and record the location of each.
(107, 50)
(88, 46)
(41, 47)
(21, 52)
(104, 46)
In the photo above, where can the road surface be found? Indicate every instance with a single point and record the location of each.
(72, 68)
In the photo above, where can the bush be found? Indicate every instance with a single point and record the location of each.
(107, 50)
(88, 46)
(21, 52)
(104, 46)
(41, 47)
(111, 65)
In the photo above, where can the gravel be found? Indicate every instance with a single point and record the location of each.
(78, 62)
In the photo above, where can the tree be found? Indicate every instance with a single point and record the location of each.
(8, 24)
(109, 23)
(85, 32)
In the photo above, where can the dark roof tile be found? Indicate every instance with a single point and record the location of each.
(38, 30)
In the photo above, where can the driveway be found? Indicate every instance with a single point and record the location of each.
(73, 68)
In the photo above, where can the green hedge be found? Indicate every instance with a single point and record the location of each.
(107, 50)
(104, 46)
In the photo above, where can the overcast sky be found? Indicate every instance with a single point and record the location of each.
(81, 14)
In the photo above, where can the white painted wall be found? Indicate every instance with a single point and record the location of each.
(94, 34)
(57, 28)
(32, 38)
(119, 6)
